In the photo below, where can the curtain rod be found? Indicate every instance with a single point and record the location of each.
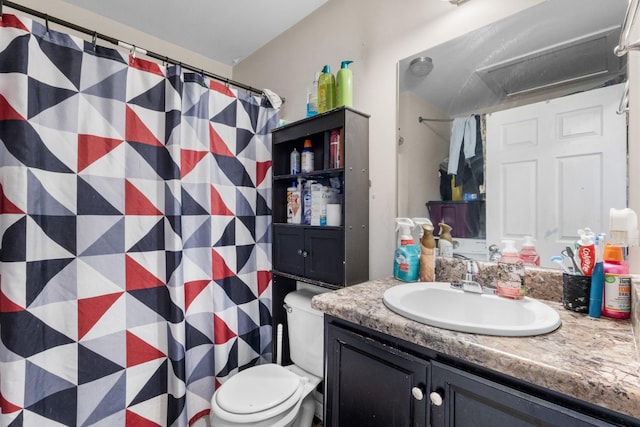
(425, 119)
(117, 42)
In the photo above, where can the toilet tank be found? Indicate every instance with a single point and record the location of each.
(306, 331)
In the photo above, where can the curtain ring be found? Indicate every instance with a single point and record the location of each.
(94, 39)
(46, 21)
(133, 52)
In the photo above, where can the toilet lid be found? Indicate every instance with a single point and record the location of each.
(257, 389)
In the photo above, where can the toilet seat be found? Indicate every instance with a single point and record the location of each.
(258, 393)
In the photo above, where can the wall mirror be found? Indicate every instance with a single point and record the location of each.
(553, 50)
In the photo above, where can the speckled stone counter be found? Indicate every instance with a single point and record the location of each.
(591, 359)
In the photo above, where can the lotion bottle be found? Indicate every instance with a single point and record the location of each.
(617, 284)
(326, 90)
(427, 254)
(445, 243)
(344, 85)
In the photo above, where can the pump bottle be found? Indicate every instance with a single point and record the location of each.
(344, 85)
(427, 254)
(326, 90)
(445, 243)
(528, 253)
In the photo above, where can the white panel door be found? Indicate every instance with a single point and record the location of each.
(554, 167)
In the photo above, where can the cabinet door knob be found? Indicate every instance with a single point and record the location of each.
(305, 253)
(436, 398)
(299, 251)
(417, 393)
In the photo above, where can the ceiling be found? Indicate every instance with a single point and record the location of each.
(555, 47)
(226, 31)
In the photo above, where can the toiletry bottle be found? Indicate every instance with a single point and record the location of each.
(617, 284)
(406, 262)
(597, 279)
(344, 85)
(334, 149)
(510, 272)
(294, 160)
(312, 98)
(307, 157)
(306, 202)
(528, 253)
(294, 204)
(427, 254)
(445, 243)
(326, 90)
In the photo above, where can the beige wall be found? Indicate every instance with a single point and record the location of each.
(83, 18)
(375, 34)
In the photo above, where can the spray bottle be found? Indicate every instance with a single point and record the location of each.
(406, 258)
(344, 85)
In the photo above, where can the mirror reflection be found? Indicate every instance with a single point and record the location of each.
(513, 130)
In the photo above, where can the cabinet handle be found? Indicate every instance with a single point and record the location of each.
(417, 393)
(436, 398)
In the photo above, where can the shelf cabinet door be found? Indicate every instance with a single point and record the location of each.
(470, 400)
(325, 255)
(371, 384)
(288, 247)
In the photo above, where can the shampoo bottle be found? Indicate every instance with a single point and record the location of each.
(326, 90)
(427, 254)
(344, 85)
(617, 284)
(307, 157)
(295, 162)
(445, 243)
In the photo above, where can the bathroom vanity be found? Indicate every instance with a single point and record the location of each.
(383, 369)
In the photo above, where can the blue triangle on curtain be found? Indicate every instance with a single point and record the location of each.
(247, 325)
(91, 202)
(232, 361)
(204, 367)
(113, 88)
(24, 143)
(175, 407)
(227, 116)
(152, 241)
(159, 300)
(252, 338)
(190, 206)
(110, 242)
(39, 201)
(265, 314)
(234, 170)
(13, 59)
(201, 237)
(155, 386)
(35, 378)
(174, 77)
(103, 403)
(178, 368)
(64, 54)
(243, 254)
(41, 336)
(250, 223)
(92, 366)
(194, 338)
(39, 273)
(172, 121)
(14, 242)
(42, 96)
(159, 159)
(199, 109)
(262, 206)
(19, 420)
(253, 111)
(61, 229)
(228, 237)
(153, 99)
(243, 206)
(64, 401)
(172, 262)
(103, 52)
(243, 139)
(171, 204)
(236, 289)
(175, 221)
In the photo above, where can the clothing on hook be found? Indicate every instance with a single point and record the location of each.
(463, 135)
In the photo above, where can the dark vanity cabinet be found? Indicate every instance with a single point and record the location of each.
(375, 380)
(329, 256)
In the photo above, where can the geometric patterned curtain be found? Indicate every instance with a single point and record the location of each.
(135, 222)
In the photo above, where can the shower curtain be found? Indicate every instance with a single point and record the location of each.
(135, 218)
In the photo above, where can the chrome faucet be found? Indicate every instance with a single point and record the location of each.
(469, 283)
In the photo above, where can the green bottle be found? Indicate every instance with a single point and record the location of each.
(326, 90)
(344, 85)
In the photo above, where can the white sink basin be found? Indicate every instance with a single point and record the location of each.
(437, 304)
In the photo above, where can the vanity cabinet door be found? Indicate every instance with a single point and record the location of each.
(470, 400)
(369, 383)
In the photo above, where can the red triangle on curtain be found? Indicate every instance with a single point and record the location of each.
(136, 203)
(261, 171)
(189, 159)
(139, 277)
(217, 144)
(218, 207)
(219, 268)
(92, 148)
(8, 306)
(140, 351)
(221, 332)
(219, 87)
(192, 290)
(7, 112)
(6, 206)
(137, 131)
(264, 279)
(8, 407)
(12, 21)
(144, 65)
(90, 310)
(134, 420)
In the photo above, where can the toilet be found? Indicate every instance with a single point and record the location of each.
(271, 395)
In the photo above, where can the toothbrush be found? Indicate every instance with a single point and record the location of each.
(558, 260)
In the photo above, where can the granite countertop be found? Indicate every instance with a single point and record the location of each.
(594, 360)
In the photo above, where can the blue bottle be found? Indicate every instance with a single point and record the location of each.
(406, 262)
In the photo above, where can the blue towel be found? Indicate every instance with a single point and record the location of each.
(463, 131)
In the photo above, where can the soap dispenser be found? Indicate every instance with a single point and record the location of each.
(445, 243)
(344, 85)
(427, 254)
